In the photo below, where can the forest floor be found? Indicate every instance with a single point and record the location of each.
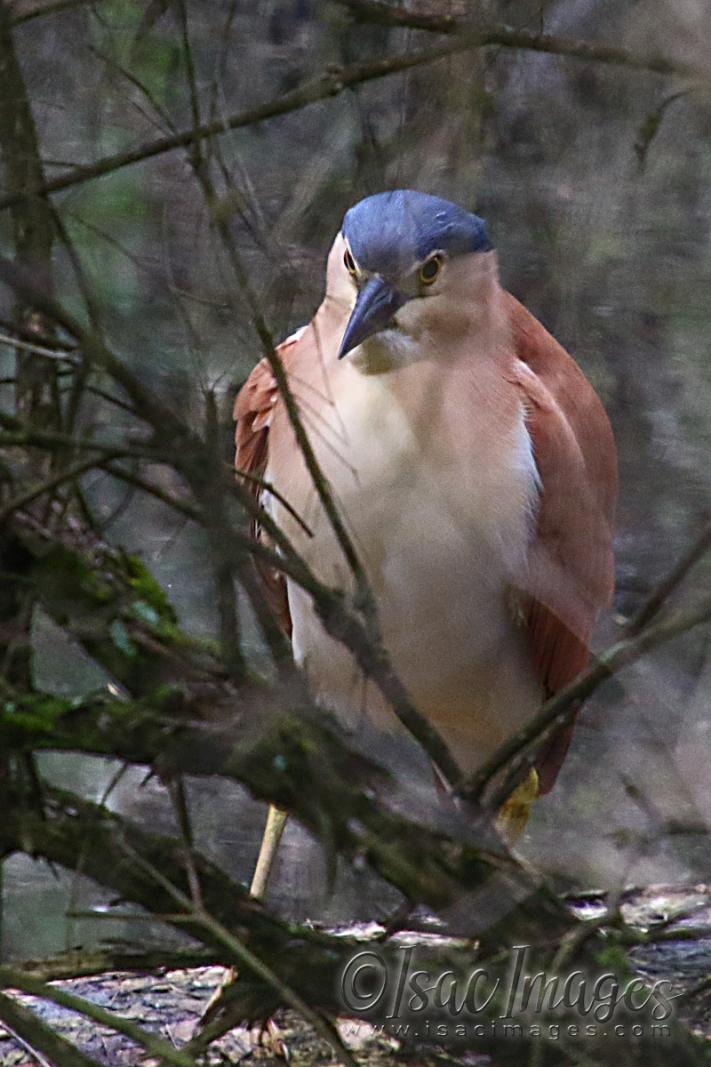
(172, 1003)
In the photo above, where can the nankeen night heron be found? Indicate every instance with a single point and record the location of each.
(475, 469)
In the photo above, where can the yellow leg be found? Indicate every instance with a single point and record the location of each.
(513, 814)
(276, 821)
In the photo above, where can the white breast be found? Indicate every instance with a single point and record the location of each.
(442, 532)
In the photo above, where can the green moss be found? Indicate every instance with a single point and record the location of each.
(149, 591)
(614, 958)
(144, 612)
(119, 636)
(38, 713)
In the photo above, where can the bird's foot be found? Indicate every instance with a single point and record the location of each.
(217, 1001)
(514, 812)
(219, 1018)
(271, 1039)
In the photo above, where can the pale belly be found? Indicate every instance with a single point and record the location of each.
(440, 546)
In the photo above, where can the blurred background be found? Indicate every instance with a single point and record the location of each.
(595, 183)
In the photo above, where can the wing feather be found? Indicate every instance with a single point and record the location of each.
(571, 564)
(253, 411)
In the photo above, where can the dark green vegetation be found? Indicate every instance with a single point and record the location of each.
(172, 176)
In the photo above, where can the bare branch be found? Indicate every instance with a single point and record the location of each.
(248, 959)
(274, 761)
(47, 1047)
(55, 7)
(194, 461)
(53, 482)
(33, 230)
(85, 963)
(335, 80)
(529, 40)
(60, 354)
(661, 593)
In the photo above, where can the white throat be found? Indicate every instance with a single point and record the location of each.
(386, 351)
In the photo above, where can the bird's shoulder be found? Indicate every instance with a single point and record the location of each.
(254, 408)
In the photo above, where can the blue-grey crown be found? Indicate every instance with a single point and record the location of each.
(390, 233)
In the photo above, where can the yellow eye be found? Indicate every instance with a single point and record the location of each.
(429, 270)
(350, 264)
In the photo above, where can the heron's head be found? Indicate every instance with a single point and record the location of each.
(399, 252)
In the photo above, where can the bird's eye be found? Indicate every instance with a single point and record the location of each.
(430, 269)
(350, 264)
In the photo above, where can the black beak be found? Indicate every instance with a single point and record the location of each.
(376, 304)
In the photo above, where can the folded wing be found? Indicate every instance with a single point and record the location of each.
(571, 565)
(254, 408)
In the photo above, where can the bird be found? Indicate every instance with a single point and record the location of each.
(473, 465)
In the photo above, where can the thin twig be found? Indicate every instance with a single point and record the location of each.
(273, 491)
(661, 593)
(195, 514)
(189, 455)
(109, 398)
(562, 707)
(53, 482)
(190, 511)
(35, 1037)
(55, 8)
(36, 337)
(509, 37)
(39, 350)
(334, 80)
(368, 646)
(225, 568)
(42, 439)
(179, 801)
(246, 958)
(80, 963)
